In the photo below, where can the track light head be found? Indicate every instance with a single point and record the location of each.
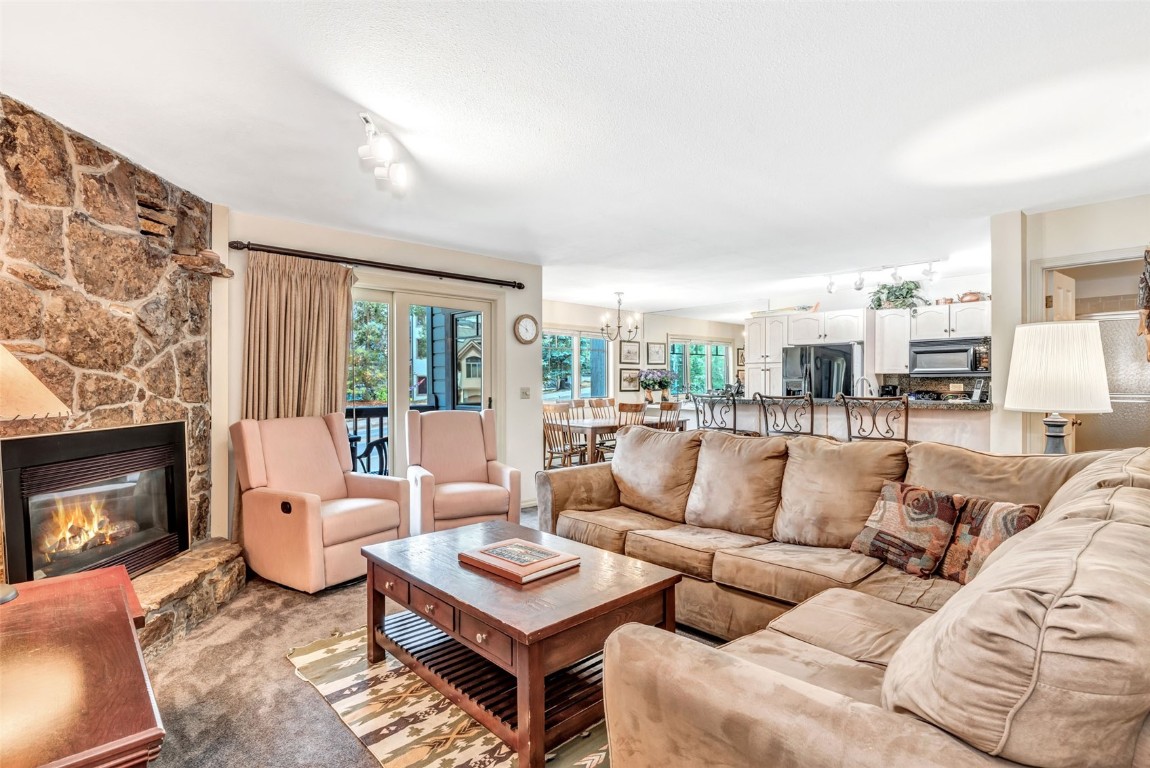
(930, 273)
(895, 277)
(831, 287)
(859, 282)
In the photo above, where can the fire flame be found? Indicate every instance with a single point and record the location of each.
(74, 524)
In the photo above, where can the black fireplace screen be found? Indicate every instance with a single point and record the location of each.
(79, 503)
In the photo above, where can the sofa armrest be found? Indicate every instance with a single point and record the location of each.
(397, 489)
(284, 547)
(672, 701)
(503, 475)
(584, 488)
(422, 497)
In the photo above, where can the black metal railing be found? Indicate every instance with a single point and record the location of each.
(368, 430)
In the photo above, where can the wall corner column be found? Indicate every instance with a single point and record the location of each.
(1008, 286)
(221, 522)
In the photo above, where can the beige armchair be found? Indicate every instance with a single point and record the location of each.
(455, 479)
(305, 513)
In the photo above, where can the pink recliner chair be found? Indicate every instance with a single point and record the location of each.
(305, 513)
(455, 479)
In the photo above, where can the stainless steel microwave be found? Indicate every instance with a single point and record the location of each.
(950, 357)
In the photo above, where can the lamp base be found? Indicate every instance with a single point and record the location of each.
(8, 593)
(1055, 433)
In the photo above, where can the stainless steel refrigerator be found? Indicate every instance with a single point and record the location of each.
(1128, 374)
(823, 370)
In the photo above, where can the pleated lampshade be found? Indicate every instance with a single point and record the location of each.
(1058, 367)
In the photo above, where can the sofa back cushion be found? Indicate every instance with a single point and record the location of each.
(830, 488)
(1130, 468)
(1020, 479)
(448, 444)
(1042, 658)
(738, 483)
(299, 455)
(654, 469)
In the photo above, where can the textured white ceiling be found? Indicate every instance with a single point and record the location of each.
(689, 154)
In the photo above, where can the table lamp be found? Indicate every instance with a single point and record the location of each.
(23, 396)
(1058, 367)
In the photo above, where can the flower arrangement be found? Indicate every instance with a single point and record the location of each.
(655, 378)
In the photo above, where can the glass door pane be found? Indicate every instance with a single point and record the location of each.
(558, 366)
(592, 366)
(369, 381)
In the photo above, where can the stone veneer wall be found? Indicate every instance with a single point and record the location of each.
(90, 298)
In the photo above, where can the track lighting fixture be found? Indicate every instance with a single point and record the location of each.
(930, 273)
(895, 277)
(831, 284)
(859, 282)
(380, 148)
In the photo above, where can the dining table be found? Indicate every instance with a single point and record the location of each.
(593, 429)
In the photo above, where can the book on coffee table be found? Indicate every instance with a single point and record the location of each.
(519, 560)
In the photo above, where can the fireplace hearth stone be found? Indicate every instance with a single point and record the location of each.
(183, 592)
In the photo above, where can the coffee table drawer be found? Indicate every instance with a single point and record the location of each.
(491, 641)
(391, 585)
(433, 609)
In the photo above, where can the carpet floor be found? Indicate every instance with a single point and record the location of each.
(228, 695)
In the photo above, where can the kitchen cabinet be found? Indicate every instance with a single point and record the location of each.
(837, 327)
(765, 339)
(892, 341)
(764, 379)
(950, 321)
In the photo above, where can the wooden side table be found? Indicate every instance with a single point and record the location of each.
(73, 687)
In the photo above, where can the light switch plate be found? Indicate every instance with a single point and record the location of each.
(525, 393)
(956, 388)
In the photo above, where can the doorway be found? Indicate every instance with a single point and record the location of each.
(446, 365)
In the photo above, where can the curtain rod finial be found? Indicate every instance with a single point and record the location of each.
(237, 245)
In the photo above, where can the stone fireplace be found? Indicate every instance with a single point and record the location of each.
(78, 501)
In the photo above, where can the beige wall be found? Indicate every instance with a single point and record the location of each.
(517, 365)
(1022, 245)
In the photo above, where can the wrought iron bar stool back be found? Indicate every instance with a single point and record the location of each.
(876, 418)
(787, 415)
(715, 412)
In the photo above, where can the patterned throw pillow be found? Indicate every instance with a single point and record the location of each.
(983, 525)
(910, 527)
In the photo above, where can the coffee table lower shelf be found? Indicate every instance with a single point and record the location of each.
(573, 696)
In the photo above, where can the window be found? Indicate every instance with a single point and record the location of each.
(570, 357)
(699, 366)
(474, 367)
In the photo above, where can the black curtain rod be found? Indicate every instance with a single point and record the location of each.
(240, 245)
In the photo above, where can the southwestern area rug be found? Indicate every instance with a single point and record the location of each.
(405, 723)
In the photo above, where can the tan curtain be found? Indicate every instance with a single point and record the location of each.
(298, 329)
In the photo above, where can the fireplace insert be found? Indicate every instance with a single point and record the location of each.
(74, 501)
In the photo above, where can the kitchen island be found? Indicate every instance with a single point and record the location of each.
(965, 424)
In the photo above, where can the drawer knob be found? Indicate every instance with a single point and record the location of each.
(481, 637)
(389, 585)
(429, 608)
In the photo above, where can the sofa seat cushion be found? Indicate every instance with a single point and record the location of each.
(738, 483)
(811, 664)
(861, 627)
(345, 520)
(791, 572)
(654, 469)
(900, 587)
(606, 528)
(1031, 479)
(829, 488)
(457, 500)
(1128, 468)
(1041, 659)
(685, 548)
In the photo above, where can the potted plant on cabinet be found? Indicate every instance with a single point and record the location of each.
(652, 380)
(904, 295)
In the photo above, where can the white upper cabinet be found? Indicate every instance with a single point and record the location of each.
(838, 327)
(892, 341)
(764, 379)
(950, 321)
(765, 339)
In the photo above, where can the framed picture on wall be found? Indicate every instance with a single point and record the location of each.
(629, 379)
(741, 357)
(741, 375)
(629, 352)
(656, 353)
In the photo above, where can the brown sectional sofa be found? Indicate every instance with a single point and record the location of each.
(838, 659)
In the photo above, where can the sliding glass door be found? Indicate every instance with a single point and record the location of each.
(574, 365)
(369, 380)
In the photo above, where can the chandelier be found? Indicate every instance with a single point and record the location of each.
(614, 332)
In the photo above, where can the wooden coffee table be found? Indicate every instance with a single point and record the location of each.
(525, 661)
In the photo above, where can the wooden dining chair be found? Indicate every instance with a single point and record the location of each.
(579, 408)
(632, 413)
(558, 439)
(876, 418)
(787, 415)
(669, 415)
(602, 407)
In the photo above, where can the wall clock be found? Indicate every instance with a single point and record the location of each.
(526, 329)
